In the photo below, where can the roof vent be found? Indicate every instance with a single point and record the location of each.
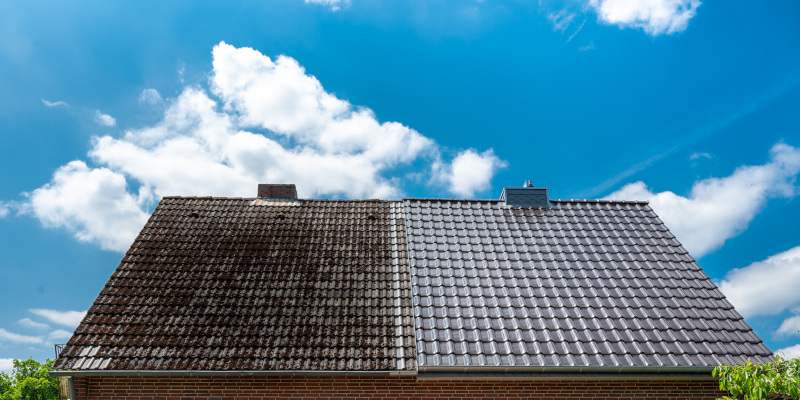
(279, 191)
(526, 196)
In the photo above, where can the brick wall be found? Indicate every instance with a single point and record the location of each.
(257, 388)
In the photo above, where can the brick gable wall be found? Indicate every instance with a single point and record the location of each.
(257, 388)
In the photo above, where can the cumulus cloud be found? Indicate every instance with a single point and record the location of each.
(91, 203)
(6, 336)
(765, 287)
(66, 318)
(54, 103)
(789, 352)
(333, 5)
(470, 172)
(150, 96)
(263, 121)
(104, 119)
(27, 322)
(656, 17)
(720, 208)
(6, 365)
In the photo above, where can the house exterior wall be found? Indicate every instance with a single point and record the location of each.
(257, 388)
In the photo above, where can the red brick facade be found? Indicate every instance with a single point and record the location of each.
(257, 388)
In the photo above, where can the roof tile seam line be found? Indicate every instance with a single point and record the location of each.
(396, 292)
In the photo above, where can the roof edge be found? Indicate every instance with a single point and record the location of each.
(200, 373)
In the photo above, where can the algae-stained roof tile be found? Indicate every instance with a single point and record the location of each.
(247, 284)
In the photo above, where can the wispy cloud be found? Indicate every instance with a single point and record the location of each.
(29, 323)
(720, 208)
(561, 19)
(696, 156)
(791, 325)
(54, 103)
(150, 96)
(104, 119)
(698, 134)
(656, 17)
(333, 5)
(766, 287)
(4, 209)
(6, 336)
(587, 47)
(576, 31)
(66, 318)
(59, 334)
(265, 120)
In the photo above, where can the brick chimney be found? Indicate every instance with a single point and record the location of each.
(280, 191)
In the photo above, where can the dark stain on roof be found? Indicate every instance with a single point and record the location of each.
(249, 284)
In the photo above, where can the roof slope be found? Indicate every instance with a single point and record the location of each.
(249, 284)
(585, 283)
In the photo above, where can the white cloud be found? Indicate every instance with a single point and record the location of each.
(561, 19)
(698, 155)
(765, 287)
(656, 17)
(720, 208)
(4, 208)
(66, 318)
(6, 365)
(587, 47)
(789, 352)
(6, 336)
(264, 121)
(59, 334)
(27, 322)
(150, 96)
(104, 119)
(54, 103)
(93, 204)
(791, 325)
(334, 5)
(470, 172)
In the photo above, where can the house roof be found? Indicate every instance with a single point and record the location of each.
(578, 284)
(252, 284)
(281, 284)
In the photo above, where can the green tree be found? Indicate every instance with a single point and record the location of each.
(774, 380)
(29, 380)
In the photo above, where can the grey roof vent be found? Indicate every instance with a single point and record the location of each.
(280, 191)
(526, 196)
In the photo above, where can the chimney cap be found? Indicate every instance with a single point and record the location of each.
(279, 190)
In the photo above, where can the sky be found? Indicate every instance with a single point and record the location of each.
(105, 107)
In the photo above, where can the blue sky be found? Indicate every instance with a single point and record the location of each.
(107, 106)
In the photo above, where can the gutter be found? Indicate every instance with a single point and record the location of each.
(539, 372)
(73, 373)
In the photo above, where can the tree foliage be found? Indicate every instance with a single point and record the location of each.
(29, 380)
(774, 380)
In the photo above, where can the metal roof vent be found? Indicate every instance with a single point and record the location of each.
(526, 196)
(279, 191)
